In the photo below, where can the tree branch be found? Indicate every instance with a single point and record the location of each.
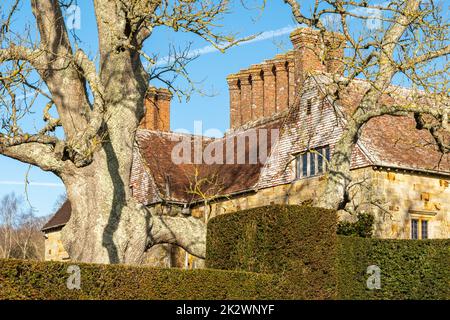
(20, 53)
(35, 153)
(186, 232)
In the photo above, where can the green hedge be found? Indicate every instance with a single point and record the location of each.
(300, 244)
(410, 269)
(47, 280)
(296, 242)
(273, 252)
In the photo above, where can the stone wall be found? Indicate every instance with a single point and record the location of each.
(393, 197)
(54, 250)
(412, 196)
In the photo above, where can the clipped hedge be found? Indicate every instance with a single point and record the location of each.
(410, 269)
(300, 244)
(273, 252)
(297, 242)
(47, 280)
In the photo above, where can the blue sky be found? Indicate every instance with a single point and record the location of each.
(210, 69)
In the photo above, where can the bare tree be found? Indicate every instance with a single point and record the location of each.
(408, 40)
(20, 230)
(98, 105)
(9, 211)
(28, 238)
(206, 188)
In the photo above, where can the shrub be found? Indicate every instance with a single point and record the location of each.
(301, 245)
(296, 241)
(47, 280)
(362, 227)
(295, 249)
(410, 269)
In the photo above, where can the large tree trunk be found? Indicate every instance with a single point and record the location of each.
(108, 226)
(105, 226)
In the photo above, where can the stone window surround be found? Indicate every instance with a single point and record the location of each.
(420, 216)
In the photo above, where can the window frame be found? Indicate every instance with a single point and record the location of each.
(309, 171)
(419, 228)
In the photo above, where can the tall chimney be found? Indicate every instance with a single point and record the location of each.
(257, 92)
(314, 52)
(157, 110)
(291, 71)
(246, 96)
(335, 53)
(269, 89)
(235, 100)
(282, 84)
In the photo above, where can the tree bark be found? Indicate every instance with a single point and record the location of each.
(339, 176)
(108, 226)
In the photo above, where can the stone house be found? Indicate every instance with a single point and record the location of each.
(283, 131)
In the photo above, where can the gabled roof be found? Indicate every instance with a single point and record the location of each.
(394, 140)
(60, 218)
(389, 141)
(190, 182)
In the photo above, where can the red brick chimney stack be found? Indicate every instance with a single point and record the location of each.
(234, 86)
(246, 96)
(271, 87)
(315, 53)
(257, 78)
(270, 104)
(291, 72)
(282, 82)
(157, 110)
(335, 53)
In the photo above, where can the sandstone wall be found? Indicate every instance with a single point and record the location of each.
(54, 250)
(409, 196)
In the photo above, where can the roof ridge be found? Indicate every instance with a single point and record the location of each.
(257, 123)
(172, 133)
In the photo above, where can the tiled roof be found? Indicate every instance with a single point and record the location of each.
(394, 140)
(60, 218)
(177, 182)
(156, 177)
